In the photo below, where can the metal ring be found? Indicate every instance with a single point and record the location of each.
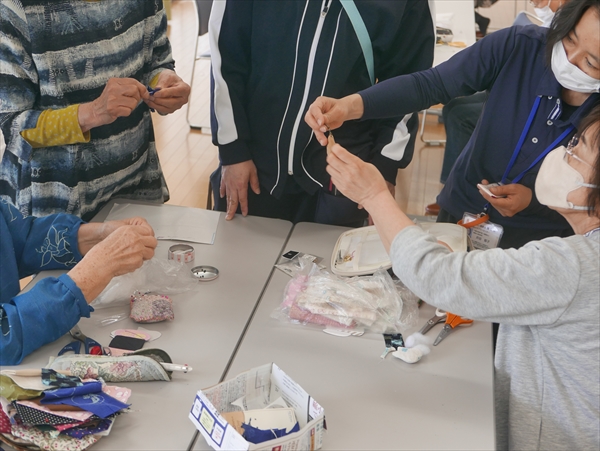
(205, 273)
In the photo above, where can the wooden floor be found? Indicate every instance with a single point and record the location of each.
(188, 156)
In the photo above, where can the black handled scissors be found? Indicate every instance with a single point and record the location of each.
(90, 346)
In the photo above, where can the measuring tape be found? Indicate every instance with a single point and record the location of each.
(182, 253)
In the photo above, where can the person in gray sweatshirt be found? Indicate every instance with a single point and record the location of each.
(545, 295)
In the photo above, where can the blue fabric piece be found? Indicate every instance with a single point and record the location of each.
(53, 305)
(255, 435)
(68, 392)
(88, 397)
(510, 64)
(58, 380)
(82, 431)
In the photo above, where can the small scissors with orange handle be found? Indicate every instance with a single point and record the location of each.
(452, 322)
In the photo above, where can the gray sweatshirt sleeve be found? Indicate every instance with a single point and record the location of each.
(532, 285)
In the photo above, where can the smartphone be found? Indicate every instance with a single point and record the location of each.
(486, 189)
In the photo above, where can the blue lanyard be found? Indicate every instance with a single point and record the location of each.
(517, 150)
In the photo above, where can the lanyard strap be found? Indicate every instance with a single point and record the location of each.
(519, 145)
(544, 153)
(362, 34)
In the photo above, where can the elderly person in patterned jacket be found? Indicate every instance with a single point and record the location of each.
(78, 80)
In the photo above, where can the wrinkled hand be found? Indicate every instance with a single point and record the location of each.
(326, 113)
(92, 233)
(118, 99)
(356, 179)
(234, 184)
(106, 228)
(172, 93)
(518, 197)
(124, 250)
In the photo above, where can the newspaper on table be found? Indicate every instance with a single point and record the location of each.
(258, 386)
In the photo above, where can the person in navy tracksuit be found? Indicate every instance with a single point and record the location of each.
(270, 60)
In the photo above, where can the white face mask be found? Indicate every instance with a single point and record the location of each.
(569, 75)
(545, 14)
(557, 179)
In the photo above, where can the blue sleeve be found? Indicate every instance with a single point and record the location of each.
(39, 316)
(43, 243)
(471, 70)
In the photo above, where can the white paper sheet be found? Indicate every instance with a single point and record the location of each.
(171, 222)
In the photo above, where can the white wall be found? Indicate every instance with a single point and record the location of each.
(463, 18)
(503, 12)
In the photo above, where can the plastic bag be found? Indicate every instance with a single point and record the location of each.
(292, 266)
(410, 306)
(317, 297)
(155, 275)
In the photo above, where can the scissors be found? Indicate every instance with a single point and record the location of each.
(440, 315)
(452, 322)
(91, 346)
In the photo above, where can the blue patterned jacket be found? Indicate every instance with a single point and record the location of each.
(53, 305)
(62, 52)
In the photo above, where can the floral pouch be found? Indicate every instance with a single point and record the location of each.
(139, 366)
(150, 308)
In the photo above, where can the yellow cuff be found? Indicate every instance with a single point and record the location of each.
(154, 80)
(56, 128)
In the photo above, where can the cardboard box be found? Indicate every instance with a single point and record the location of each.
(267, 382)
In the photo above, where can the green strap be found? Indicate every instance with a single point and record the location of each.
(362, 34)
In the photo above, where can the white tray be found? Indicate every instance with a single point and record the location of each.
(360, 251)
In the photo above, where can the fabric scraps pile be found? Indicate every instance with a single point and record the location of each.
(54, 411)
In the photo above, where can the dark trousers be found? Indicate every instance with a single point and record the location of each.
(460, 118)
(296, 205)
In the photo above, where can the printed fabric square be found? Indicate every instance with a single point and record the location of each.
(89, 397)
(33, 417)
(46, 442)
(4, 423)
(151, 308)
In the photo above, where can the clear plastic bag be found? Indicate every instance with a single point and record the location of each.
(316, 297)
(294, 265)
(155, 275)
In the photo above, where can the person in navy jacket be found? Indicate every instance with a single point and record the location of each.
(270, 61)
(550, 76)
(94, 253)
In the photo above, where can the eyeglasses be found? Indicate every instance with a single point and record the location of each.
(569, 150)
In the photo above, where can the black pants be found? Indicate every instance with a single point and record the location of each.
(296, 205)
